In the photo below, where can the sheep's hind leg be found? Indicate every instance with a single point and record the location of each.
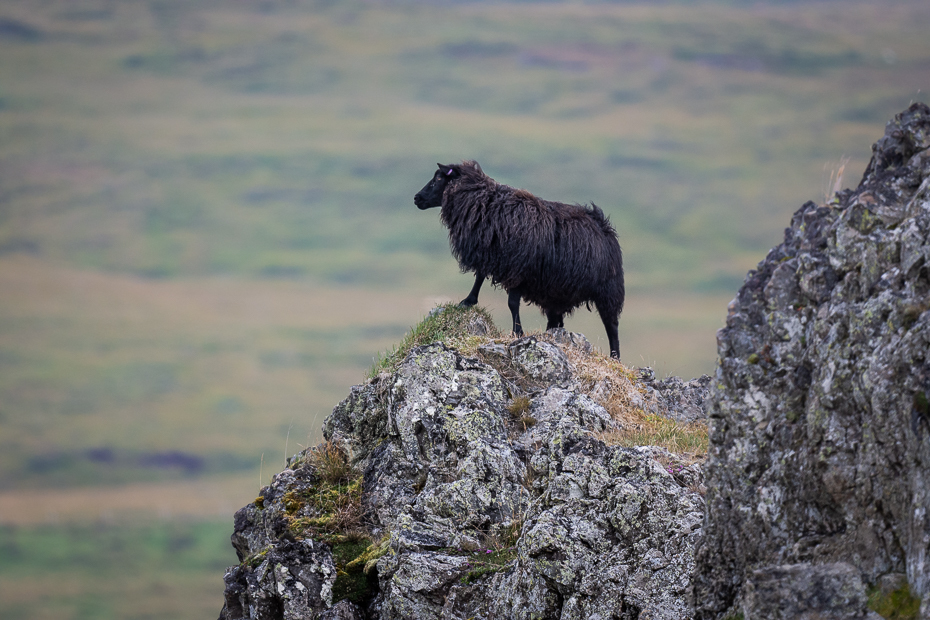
(513, 302)
(554, 320)
(472, 298)
(613, 338)
(610, 320)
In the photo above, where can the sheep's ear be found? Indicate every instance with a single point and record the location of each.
(446, 169)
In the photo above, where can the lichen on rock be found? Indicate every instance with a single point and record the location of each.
(820, 451)
(516, 479)
(486, 480)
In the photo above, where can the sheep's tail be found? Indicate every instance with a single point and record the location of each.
(602, 220)
(614, 292)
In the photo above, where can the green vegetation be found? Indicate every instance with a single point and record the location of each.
(897, 604)
(336, 502)
(519, 406)
(922, 404)
(106, 571)
(448, 323)
(488, 562)
(207, 229)
(352, 580)
(337, 508)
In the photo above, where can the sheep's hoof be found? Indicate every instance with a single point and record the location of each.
(467, 303)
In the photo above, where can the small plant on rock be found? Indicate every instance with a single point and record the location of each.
(451, 324)
(897, 604)
(332, 464)
(331, 509)
(689, 440)
(488, 561)
(519, 409)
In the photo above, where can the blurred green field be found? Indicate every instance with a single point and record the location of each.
(207, 229)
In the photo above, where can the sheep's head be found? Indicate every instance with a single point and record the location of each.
(431, 194)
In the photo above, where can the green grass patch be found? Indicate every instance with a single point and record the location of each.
(353, 582)
(461, 328)
(897, 604)
(488, 562)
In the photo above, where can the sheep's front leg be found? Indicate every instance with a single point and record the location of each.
(472, 298)
(513, 302)
(555, 320)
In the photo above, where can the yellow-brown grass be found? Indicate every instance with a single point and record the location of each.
(688, 441)
(617, 388)
(332, 464)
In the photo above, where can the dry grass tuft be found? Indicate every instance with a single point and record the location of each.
(332, 464)
(519, 406)
(618, 389)
(610, 384)
(688, 441)
(834, 181)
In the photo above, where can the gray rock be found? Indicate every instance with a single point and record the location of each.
(820, 427)
(495, 352)
(343, 610)
(612, 537)
(558, 409)
(805, 592)
(564, 337)
(583, 530)
(413, 585)
(540, 361)
(292, 580)
(444, 469)
(682, 401)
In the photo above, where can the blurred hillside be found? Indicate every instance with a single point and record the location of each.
(207, 229)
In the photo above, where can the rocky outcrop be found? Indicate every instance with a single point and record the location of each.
(819, 465)
(682, 401)
(489, 483)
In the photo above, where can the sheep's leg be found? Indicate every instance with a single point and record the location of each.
(554, 320)
(513, 302)
(610, 324)
(613, 338)
(472, 298)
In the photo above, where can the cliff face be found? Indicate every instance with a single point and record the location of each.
(819, 465)
(491, 494)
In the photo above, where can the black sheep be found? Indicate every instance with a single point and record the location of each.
(554, 255)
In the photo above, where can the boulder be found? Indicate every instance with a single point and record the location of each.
(819, 463)
(494, 494)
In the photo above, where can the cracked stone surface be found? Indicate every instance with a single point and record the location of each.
(820, 427)
(597, 531)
